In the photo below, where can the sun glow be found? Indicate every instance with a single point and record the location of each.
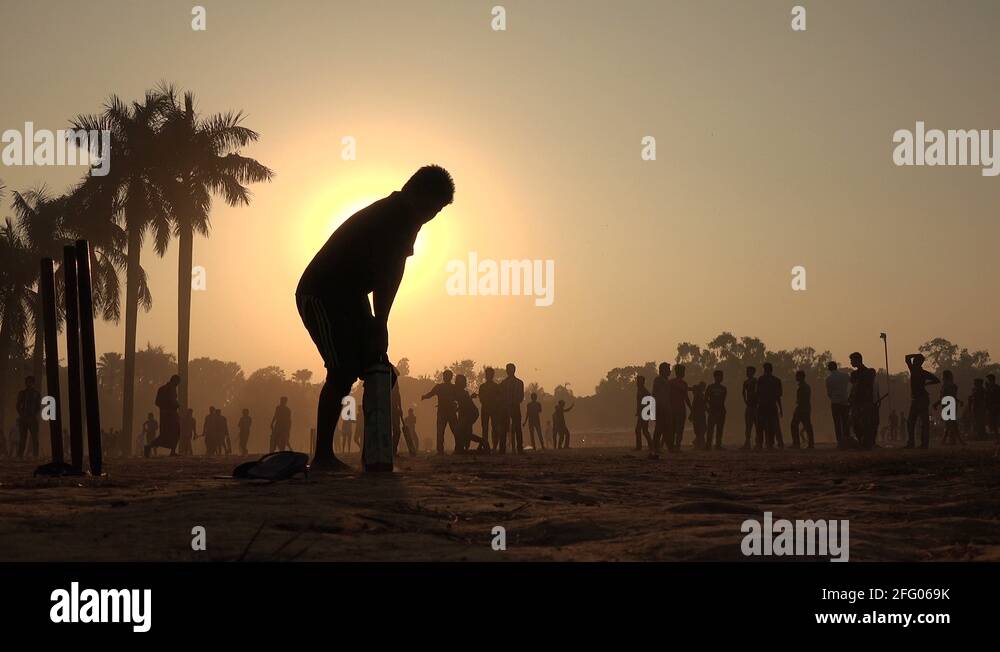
(327, 209)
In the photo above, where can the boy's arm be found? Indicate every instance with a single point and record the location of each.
(382, 299)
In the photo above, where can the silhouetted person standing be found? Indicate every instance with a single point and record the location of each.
(243, 426)
(399, 426)
(149, 430)
(281, 426)
(949, 389)
(750, 410)
(29, 405)
(715, 399)
(769, 408)
(468, 414)
(893, 426)
(864, 409)
(533, 419)
(346, 433)
(698, 416)
(223, 426)
(662, 435)
(838, 389)
(977, 405)
(489, 399)
(677, 405)
(920, 400)
(366, 254)
(209, 432)
(512, 394)
(560, 428)
(641, 424)
(992, 405)
(410, 426)
(170, 419)
(188, 434)
(447, 409)
(802, 417)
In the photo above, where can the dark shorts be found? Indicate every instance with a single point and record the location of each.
(339, 328)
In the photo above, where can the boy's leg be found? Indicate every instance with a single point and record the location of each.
(442, 421)
(336, 328)
(456, 432)
(22, 438)
(517, 438)
(34, 439)
(327, 415)
(484, 424)
(911, 425)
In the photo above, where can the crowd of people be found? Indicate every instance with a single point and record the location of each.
(662, 411)
(499, 415)
(854, 403)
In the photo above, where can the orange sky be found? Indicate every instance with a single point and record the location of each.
(774, 150)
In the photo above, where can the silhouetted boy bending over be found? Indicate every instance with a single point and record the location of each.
(366, 254)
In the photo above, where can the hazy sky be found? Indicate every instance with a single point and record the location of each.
(773, 150)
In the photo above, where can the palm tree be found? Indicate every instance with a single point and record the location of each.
(18, 270)
(131, 192)
(45, 224)
(40, 222)
(202, 158)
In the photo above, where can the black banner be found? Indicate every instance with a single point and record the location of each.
(242, 601)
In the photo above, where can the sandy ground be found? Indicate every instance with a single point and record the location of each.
(581, 504)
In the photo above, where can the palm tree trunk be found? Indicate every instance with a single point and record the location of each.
(131, 317)
(37, 360)
(185, 259)
(5, 336)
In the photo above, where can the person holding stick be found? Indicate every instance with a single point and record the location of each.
(365, 255)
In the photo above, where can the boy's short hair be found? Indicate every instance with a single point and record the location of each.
(432, 182)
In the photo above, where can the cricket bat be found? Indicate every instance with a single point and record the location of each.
(376, 452)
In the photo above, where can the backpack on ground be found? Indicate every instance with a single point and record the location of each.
(275, 466)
